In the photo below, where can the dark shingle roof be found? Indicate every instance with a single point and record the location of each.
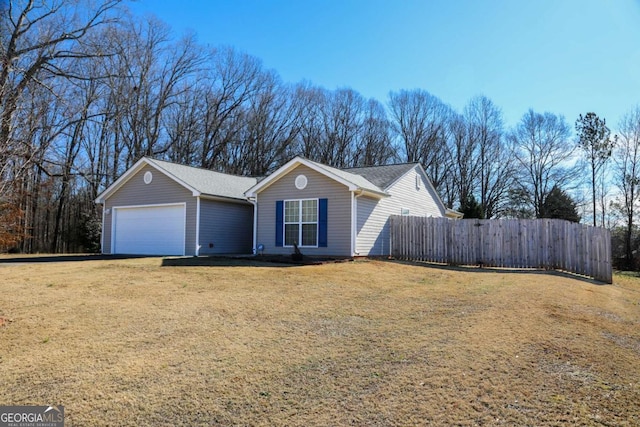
(382, 176)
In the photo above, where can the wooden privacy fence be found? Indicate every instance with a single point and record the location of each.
(510, 243)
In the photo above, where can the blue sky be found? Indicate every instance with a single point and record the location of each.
(563, 56)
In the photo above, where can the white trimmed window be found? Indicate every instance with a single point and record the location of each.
(301, 222)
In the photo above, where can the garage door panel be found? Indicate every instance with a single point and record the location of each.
(150, 230)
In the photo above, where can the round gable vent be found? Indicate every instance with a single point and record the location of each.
(148, 177)
(301, 182)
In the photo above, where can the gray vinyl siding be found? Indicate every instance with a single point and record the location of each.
(319, 186)
(373, 215)
(225, 228)
(370, 223)
(161, 190)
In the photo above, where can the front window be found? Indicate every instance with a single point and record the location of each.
(301, 222)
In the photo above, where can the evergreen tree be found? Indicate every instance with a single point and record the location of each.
(518, 204)
(593, 139)
(558, 204)
(471, 208)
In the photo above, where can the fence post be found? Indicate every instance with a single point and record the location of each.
(546, 243)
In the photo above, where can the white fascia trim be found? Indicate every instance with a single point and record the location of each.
(290, 165)
(197, 252)
(404, 174)
(224, 199)
(194, 192)
(433, 188)
(123, 178)
(453, 214)
(374, 194)
(132, 171)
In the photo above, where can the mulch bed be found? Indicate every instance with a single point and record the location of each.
(237, 261)
(305, 260)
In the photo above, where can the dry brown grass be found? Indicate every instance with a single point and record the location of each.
(129, 342)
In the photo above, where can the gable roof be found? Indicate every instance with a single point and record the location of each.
(359, 180)
(354, 182)
(208, 182)
(201, 182)
(382, 176)
(386, 175)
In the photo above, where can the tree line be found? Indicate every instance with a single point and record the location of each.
(87, 89)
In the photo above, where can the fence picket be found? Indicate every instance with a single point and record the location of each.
(547, 243)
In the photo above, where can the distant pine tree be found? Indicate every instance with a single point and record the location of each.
(593, 138)
(558, 204)
(471, 208)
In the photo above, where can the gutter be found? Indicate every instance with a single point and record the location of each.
(453, 214)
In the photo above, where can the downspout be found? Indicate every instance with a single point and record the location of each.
(112, 242)
(390, 241)
(254, 202)
(354, 221)
(104, 202)
(197, 251)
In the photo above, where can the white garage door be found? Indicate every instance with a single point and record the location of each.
(149, 230)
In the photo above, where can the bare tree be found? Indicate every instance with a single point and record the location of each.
(341, 129)
(543, 156)
(233, 79)
(342, 122)
(463, 155)
(375, 145)
(494, 170)
(64, 158)
(39, 124)
(43, 46)
(627, 176)
(421, 122)
(151, 71)
(183, 124)
(311, 134)
(271, 125)
(37, 39)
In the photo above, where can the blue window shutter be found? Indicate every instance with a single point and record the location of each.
(279, 221)
(322, 223)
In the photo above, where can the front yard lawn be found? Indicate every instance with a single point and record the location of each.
(368, 343)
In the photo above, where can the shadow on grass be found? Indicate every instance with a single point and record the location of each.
(64, 258)
(221, 261)
(475, 269)
(202, 261)
(245, 261)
